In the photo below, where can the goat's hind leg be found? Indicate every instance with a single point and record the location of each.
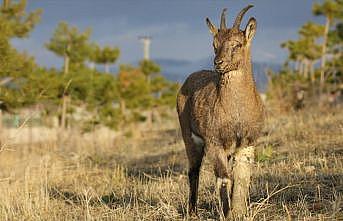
(195, 155)
(195, 152)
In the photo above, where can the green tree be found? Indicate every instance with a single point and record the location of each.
(310, 32)
(331, 10)
(334, 70)
(14, 21)
(149, 68)
(71, 44)
(132, 88)
(316, 42)
(105, 56)
(306, 50)
(75, 48)
(165, 91)
(18, 67)
(105, 94)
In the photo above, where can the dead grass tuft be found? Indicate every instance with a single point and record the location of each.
(298, 175)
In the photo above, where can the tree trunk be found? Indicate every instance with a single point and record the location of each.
(301, 67)
(242, 170)
(306, 68)
(60, 136)
(107, 67)
(1, 130)
(122, 107)
(66, 64)
(311, 64)
(64, 97)
(30, 125)
(149, 79)
(323, 62)
(156, 117)
(64, 111)
(67, 59)
(6, 3)
(149, 119)
(297, 65)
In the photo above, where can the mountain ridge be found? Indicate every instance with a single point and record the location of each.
(178, 69)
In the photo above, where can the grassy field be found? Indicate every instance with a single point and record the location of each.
(298, 175)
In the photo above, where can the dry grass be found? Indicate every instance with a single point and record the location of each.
(298, 175)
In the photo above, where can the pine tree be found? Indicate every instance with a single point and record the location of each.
(71, 44)
(305, 51)
(14, 21)
(149, 68)
(106, 56)
(316, 42)
(75, 48)
(331, 10)
(309, 34)
(132, 88)
(15, 67)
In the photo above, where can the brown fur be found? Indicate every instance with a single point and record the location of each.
(222, 107)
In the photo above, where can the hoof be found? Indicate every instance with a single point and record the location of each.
(193, 215)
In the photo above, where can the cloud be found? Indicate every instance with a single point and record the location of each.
(176, 40)
(178, 28)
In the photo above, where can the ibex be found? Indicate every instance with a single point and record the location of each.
(221, 114)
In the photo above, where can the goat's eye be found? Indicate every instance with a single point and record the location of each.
(237, 46)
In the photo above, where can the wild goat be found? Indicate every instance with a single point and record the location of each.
(221, 114)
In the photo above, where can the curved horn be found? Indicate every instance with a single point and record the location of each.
(223, 19)
(240, 16)
(211, 26)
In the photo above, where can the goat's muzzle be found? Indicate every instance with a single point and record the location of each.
(222, 67)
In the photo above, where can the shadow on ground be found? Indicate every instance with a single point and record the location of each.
(112, 200)
(317, 192)
(299, 190)
(172, 163)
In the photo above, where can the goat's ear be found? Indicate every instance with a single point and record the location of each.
(250, 30)
(211, 26)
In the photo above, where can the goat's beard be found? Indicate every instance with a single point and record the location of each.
(227, 67)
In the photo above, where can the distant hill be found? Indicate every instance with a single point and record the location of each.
(178, 70)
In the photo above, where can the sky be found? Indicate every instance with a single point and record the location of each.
(177, 27)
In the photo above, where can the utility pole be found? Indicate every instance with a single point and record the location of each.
(146, 40)
(6, 3)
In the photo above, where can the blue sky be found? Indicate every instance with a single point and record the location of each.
(177, 27)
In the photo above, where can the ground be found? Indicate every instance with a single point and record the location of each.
(298, 175)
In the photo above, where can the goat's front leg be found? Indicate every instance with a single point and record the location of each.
(223, 173)
(193, 177)
(242, 168)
